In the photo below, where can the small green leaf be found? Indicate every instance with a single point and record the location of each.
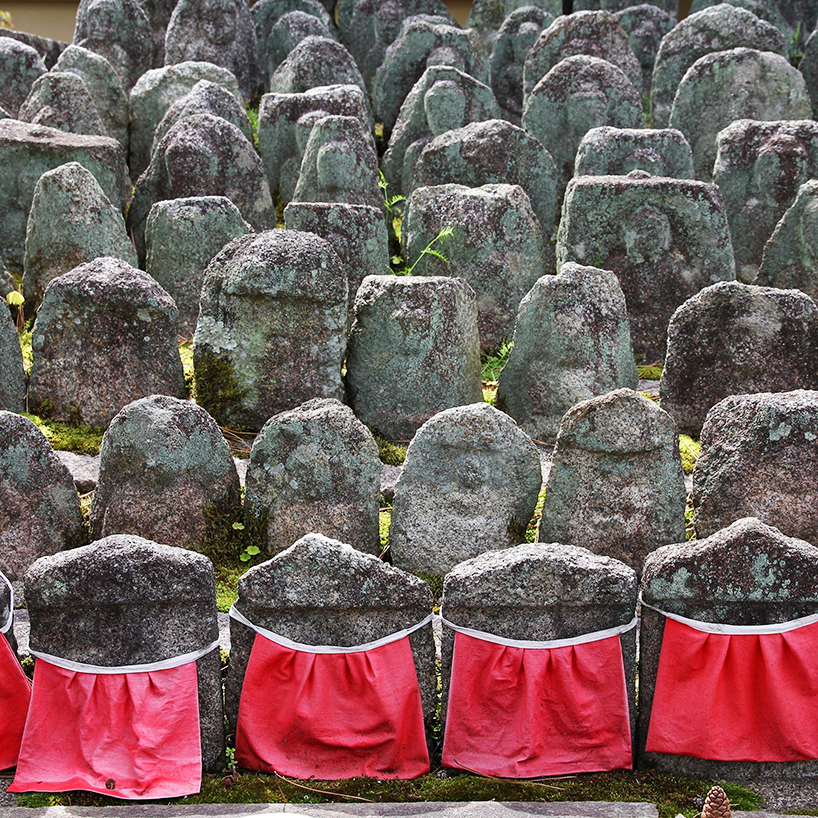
(244, 556)
(15, 299)
(252, 550)
(238, 526)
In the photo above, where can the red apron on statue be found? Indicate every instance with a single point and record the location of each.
(331, 712)
(736, 692)
(520, 709)
(130, 732)
(15, 692)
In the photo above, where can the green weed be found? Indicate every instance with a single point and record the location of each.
(531, 531)
(650, 372)
(393, 453)
(429, 250)
(252, 114)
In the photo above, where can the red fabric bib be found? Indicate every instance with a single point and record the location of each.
(332, 715)
(736, 697)
(15, 693)
(522, 713)
(129, 735)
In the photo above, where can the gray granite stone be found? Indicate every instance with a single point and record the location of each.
(357, 233)
(215, 31)
(205, 97)
(126, 600)
(104, 86)
(713, 29)
(272, 327)
(733, 339)
(759, 169)
(665, 239)
(323, 592)
(314, 469)
(98, 307)
(488, 16)
(266, 13)
(203, 155)
(608, 151)
(424, 40)
(510, 47)
(741, 83)
(284, 125)
(12, 374)
(789, 260)
(71, 222)
(571, 343)
(368, 27)
(493, 152)
(159, 12)
(20, 66)
(314, 63)
(592, 33)
(155, 92)
(166, 474)
(539, 592)
(48, 49)
(442, 100)
(747, 574)
(289, 30)
(339, 164)
(41, 512)
(413, 351)
(764, 10)
(27, 152)
(496, 246)
(120, 31)
(616, 484)
(759, 457)
(181, 238)
(84, 469)
(469, 485)
(62, 100)
(645, 24)
(577, 94)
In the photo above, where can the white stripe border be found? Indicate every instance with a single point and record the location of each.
(236, 614)
(718, 627)
(100, 670)
(525, 644)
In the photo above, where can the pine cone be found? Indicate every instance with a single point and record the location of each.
(717, 804)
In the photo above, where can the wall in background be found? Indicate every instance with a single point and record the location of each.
(48, 18)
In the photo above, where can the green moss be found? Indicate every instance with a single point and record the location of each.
(217, 388)
(186, 354)
(384, 521)
(531, 531)
(25, 344)
(689, 449)
(435, 583)
(68, 438)
(227, 580)
(671, 794)
(252, 114)
(391, 453)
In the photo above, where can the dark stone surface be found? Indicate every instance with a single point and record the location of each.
(413, 351)
(126, 600)
(12, 374)
(540, 592)
(717, 28)
(289, 30)
(735, 338)
(21, 66)
(27, 152)
(424, 40)
(592, 33)
(315, 469)
(61, 100)
(496, 245)
(166, 474)
(203, 155)
(272, 327)
(571, 343)
(616, 484)
(645, 24)
(322, 592)
(98, 308)
(285, 122)
(665, 239)
(747, 574)
(215, 31)
(41, 512)
(48, 49)
(469, 485)
(493, 152)
(759, 457)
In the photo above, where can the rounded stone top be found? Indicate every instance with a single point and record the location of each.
(186, 73)
(577, 71)
(540, 574)
(318, 572)
(110, 284)
(280, 263)
(122, 569)
(777, 415)
(193, 207)
(748, 562)
(619, 422)
(375, 287)
(26, 455)
(163, 435)
(724, 294)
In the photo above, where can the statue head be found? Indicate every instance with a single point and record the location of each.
(445, 106)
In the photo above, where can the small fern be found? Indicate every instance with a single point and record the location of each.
(429, 250)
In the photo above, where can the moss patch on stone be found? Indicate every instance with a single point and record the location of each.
(66, 437)
(689, 450)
